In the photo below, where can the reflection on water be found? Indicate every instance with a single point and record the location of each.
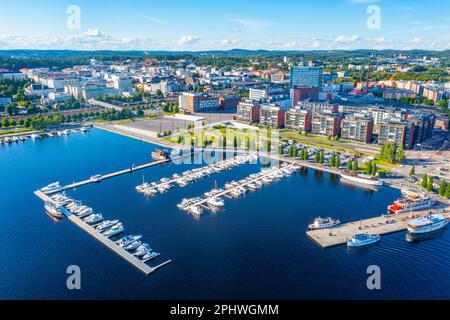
(414, 238)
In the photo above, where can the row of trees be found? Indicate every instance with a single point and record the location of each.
(427, 183)
(391, 153)
(335, 160)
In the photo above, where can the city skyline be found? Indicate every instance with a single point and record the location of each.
(181, 26)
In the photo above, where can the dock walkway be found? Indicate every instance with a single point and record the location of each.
(145, 268)
(241, 185)
(381, 225)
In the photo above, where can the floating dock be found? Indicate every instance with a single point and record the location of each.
(189, 176)
(226, 192)
(141, 265)
(382, 225)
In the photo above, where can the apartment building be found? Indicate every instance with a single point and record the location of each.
(358, 128)
(248, 111)
(298, 119)
(326, 124)
(272, 115)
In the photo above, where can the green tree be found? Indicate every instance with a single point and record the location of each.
(337, 162)
(355, 165)
(322, 157)
(333, 160)
(424, 182)
(447, 191)
(400, 155)
(412, 172)
(350, 165)
(317, 157)
(430, 184)
(442, 188)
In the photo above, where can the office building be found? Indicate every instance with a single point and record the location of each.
(306, 77)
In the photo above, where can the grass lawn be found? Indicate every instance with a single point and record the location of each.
(14, 131)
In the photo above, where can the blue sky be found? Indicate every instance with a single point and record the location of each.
(204, 25)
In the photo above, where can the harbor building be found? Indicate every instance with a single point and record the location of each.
(298, 119)
(248, 111)
(272, 115)
(326, 124)
(358, 128)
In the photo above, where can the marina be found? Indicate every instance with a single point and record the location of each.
(89, 229)
(37, 135)
(274, 220)
(212, 200)
(190, 176)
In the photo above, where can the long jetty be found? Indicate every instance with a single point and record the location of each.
(110, 175)
(381, 225)
(142, 266)
(121, 172)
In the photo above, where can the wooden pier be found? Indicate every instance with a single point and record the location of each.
(381, 225)
(142, 266)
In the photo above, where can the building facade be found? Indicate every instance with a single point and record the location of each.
(248, 111)
(272, 116)
(306, 77)
(358, 127)
(326, 124)
(298, 119)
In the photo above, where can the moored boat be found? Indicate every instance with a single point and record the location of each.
(411, 203)
(363, 239)
(53, 210)
(361, 178)
(429, 223)
(323, 223)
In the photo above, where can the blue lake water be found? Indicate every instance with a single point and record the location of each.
(255, 249)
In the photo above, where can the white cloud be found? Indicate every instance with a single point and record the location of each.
(188, 40)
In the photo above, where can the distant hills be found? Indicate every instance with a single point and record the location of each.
(233, 52)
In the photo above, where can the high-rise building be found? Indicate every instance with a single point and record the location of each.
(357, 127)
(302, 94)
(298, 119)
(306, 77)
